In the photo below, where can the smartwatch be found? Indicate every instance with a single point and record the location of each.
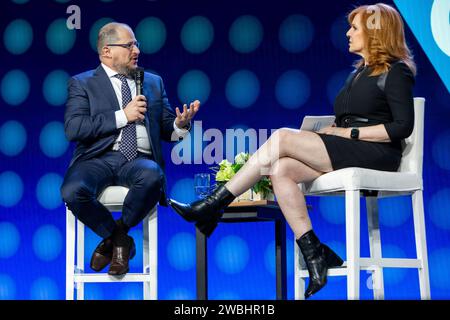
(354, 134)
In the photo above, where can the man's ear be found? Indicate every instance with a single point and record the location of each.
(106, 52)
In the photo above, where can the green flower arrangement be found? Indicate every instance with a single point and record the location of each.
(226, 170)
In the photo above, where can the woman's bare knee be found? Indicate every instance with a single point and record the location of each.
(280, 169)
(281, 138)
(287, 169)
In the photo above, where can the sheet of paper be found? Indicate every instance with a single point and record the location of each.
(315, 123)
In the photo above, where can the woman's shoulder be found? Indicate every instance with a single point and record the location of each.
(398, 71)
(399, 67)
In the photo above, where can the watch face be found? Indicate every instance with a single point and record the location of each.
(354, 134)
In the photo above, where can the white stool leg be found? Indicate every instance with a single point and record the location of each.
(299, 282)
(80, 258)
(421, 244)
(375, 246)
(153, 253)
(352, 225)
(70, 254)
(146, 254)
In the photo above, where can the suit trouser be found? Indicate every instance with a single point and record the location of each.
(85, 180)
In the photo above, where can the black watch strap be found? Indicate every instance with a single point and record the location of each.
(354, 133)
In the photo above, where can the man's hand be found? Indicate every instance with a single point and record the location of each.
(136, 109)
(183, 119)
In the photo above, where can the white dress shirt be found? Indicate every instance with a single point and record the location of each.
(143, 142)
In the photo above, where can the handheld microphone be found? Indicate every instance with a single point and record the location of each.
(139, 78)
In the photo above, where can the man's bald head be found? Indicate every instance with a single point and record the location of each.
(109, 34)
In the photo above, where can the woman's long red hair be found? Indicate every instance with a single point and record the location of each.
(384, 37)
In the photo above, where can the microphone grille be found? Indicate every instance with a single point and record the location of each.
(139, 74)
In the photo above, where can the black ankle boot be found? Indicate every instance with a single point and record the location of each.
(207, 212)
(319, 258)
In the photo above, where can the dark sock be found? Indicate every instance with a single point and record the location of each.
(119, 236)
(120, 224)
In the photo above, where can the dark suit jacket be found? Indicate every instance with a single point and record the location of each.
(90, 120)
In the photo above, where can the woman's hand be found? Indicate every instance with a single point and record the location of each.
(336, 131)
(376, 133)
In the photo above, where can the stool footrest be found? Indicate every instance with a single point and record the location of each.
(371, 264)
(104, 277)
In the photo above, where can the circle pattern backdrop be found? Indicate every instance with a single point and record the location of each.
(55, 87)
(242, 89)
(11, 189)
(13, 138)
(296, 33)
(197, 34)
(52, 140)
(11, 240)
(60, 40)
(93, 34)
(15, 87)
(194, 85)
(18, 36)
(293, 89)
(246, 34)
(246, 70)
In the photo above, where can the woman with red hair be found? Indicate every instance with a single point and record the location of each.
(374, 112)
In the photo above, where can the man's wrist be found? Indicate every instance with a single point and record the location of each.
(184, 127)
(121, 119)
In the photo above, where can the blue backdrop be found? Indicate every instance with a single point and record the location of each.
(253, 65)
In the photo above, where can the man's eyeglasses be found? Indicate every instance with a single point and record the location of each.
(128, 45)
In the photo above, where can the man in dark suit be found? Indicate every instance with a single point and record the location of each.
(118, 136)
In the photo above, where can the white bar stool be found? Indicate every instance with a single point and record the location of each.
(112, 198)
(352, 182)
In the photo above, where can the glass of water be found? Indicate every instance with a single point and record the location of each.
(202, 184)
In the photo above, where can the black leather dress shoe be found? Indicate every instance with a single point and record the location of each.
(121, 256)
(102, 255)
(207, 212)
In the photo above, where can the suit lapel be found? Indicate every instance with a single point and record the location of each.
(148, 113)
(106, 87)
(149, 116)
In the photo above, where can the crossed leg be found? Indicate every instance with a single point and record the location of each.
(288, 157)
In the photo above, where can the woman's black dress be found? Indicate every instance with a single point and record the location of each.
(370, 100)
